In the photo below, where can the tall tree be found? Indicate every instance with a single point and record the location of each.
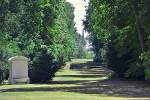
(42, 30)
(114, 21)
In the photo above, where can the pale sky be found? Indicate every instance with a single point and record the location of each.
(79, 12)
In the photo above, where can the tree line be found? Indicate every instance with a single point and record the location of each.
(121, 29)
(43, 31)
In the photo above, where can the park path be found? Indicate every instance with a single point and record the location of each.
(84, 81)
(93, 80)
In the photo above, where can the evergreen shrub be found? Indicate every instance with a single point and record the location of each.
(118, 64)
(43, 67)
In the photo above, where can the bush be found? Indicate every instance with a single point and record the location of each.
(113, 62)
(1, 76)
(43, 68)
(7, 51)
(3, 62)
(82, 53)
(97, 59)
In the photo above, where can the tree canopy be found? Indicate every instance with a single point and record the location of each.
(122, 30)
(42, 30)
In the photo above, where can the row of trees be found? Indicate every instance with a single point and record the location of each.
(121, 29)
(43, 31)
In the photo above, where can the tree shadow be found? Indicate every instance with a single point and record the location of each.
(82, 76)
(110, 87)
(95, 71)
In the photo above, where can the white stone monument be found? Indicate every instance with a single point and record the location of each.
(18, 72)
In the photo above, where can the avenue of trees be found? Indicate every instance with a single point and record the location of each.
(43, 31)
(122, 31)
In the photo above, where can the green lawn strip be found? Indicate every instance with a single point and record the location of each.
(75, 75)
(67, 85)
(80, 60)
(58, 95)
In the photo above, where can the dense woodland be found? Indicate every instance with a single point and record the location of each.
(120, 35)
(43, 31)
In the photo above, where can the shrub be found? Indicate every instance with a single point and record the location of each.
(43, 67)
(1, 75)
(3, 62)
(113, 62)
(97, 59)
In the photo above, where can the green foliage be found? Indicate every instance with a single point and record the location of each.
(81, 52)
(135, 71)
(5, 53)
(28, 26)
(111, 75)
(144, 15)
(146, 56)
(118, 65)
(42, 68)
(90, 55)
(114, 26)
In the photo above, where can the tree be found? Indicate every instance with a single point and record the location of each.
(41, 30)
(45, 67)
(8, 21)
(114, 22)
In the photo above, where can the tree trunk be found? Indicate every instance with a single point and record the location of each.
(141, 37)
(149, 44)
(148, 39)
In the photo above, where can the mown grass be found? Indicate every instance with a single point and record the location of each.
(80, 60)
(77, 84)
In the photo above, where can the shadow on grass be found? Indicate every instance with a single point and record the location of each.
(82, 76)
(110, 87)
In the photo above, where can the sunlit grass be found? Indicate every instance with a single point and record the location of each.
(58, 95)
(64, 75)
(67, 66)
(20, 92)
(81, 60)
(77, 84)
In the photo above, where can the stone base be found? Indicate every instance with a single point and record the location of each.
(11, 81)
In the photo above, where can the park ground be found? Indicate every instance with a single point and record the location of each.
(87, 83)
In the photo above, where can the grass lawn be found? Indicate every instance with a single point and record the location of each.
(77, 84)
(81, 60)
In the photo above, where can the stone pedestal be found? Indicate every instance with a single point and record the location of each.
(18, 72)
